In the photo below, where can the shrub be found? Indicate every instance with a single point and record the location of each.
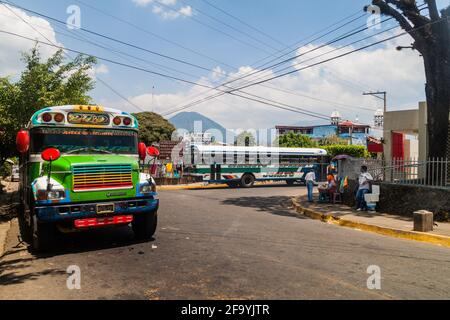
(350, 150)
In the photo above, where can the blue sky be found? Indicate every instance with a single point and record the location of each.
(287, 21)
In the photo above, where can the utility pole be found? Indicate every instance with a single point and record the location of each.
(382, 95)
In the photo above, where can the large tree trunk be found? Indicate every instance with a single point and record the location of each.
(437, 68)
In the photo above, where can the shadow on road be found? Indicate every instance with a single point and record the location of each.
(277, 205)
(16, 263)
(92, 240)
(10, 276)
(263, 186)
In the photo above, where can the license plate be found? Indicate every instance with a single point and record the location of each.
(105, 208)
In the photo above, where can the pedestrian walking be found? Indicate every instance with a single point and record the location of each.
(310, 179)
(365, 179)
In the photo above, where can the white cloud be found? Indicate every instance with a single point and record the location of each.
(11, 46)
(186, 11)
(162, 8)
(102, 69)
(341, 81)
(97, 70)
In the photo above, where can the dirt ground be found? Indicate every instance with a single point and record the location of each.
(8, 200)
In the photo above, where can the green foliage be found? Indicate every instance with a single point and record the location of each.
(153, 128)
(6, 167)
(246, 139)
(332, 140)
(350, 150)
(294, 140)
(43, 83)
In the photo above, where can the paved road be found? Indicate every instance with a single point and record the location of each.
(229, 244)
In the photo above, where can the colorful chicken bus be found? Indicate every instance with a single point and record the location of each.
(81, 168)
(243, 166)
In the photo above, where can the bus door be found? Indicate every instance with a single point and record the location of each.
(216, 172)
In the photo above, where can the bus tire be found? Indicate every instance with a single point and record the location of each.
(290, 182)
(248, 180)
(144, 225)
(24, 227)
(43, 236)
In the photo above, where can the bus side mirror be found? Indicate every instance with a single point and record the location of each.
(153, 152)
(50, 155)
(142, 149)
(23, 141)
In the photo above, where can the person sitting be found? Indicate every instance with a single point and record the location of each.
(331, 187)
(364, 181)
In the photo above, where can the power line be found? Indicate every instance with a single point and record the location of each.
(319, 63)
(210, 27)
(135, 26)
(97, 77)
(172, 68)
(243, 22)
(96, 44)
(347, 35)
(258, 99)
(229, 26)
(111, 38)
(141, 69)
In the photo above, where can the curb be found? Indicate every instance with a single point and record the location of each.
(4, 229)
(396, 233)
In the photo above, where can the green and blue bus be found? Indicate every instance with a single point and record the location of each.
(81, 168)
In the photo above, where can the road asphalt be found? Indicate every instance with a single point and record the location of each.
(228, 244)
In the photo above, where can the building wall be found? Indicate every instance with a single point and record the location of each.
(320, 132)
(324, 131)
(408, 122)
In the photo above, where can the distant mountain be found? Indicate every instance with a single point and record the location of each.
(187, 120)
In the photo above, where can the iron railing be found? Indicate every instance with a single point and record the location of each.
(431, 172)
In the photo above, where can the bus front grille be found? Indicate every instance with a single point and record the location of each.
(94, 177)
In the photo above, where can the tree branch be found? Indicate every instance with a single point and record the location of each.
(390, 11)
(432, 8)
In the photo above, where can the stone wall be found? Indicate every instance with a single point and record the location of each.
(404, 200)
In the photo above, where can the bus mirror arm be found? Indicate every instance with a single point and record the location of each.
(50, 155)
(49, 184)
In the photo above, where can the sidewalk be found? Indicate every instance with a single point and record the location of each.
(381, 223)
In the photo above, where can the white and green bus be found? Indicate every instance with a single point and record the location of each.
(243, 166)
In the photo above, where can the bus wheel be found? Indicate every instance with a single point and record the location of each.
(248, 181)
(290, 182)
(24, 227)
(144, 225)
(43, 236)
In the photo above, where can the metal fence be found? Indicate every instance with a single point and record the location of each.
(432, 172)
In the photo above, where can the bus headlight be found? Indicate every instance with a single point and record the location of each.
(148, 188)
(43, 195)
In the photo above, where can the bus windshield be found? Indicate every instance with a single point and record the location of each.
(72, 140)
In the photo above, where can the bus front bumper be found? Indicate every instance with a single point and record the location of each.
(73, 212)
